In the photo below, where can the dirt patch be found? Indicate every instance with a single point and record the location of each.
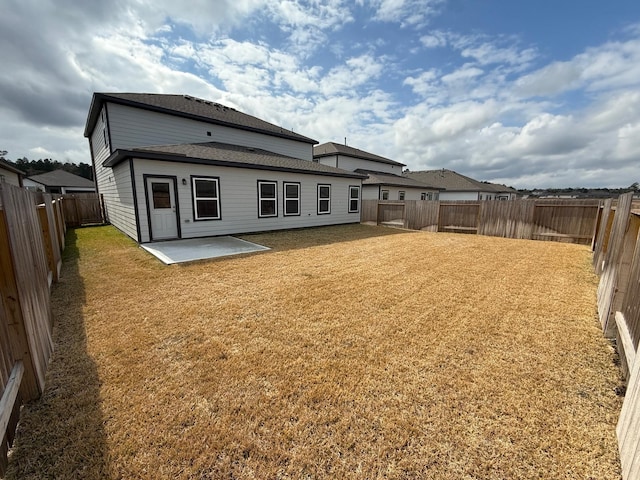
(346, 352)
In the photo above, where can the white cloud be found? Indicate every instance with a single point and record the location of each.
(434, 39)
(405, 12)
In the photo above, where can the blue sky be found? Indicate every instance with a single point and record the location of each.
(531, 94)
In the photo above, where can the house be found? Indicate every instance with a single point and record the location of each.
(177, 166)
(384, 176)
(460, 187)
(59, 181)
(10, 174)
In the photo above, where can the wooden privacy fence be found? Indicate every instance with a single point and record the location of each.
(32, 234)
(83, 209)
(569, 221)
(616, 258)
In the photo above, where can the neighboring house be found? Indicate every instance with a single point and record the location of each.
(459, 187)
(384, 176)
(59, 181)
(10, 174)
(176, 166)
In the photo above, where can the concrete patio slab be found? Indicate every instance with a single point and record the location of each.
(178, 251)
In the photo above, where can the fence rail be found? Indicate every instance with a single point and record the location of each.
(31, 239)
(566, 221)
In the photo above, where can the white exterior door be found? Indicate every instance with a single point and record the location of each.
(162, 208)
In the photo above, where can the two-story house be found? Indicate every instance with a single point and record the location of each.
(176, 166)
(384, 176)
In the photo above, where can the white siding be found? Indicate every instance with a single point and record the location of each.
(9, 177)
(114, 184)
(349, 163)
(239, 199)
(31, 185)
(134, 127)
(458, 195)
(370, 192)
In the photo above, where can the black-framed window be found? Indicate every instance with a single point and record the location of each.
(401, 195)
(354, 198)
(267, 199)
(205, 192)
(385, 195)
(291, 198)
(324, 199)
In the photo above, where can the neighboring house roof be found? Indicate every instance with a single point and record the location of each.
(379, 178)
(227, 155)
(189, 107)
(499, 188)
(61, 178)
(453, 181)
(331, 148)
(7, 166)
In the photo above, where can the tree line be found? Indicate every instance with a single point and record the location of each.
(36, 167)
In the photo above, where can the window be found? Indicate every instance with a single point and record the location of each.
(423, 196)
(160, 193)
(385, 194)
(291, 198)
(400, 195)
(206, 198)
(104, 129)
(354, 199)
(267, 200)
(324, 199)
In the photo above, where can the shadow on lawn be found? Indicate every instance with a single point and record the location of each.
(317, 236)
(61, 435)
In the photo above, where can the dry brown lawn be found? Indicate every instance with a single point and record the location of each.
(345, 352)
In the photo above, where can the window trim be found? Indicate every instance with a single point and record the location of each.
(350, 199)
(402, 195)
(274, 199)
(323, 185)
(382, 192)
(194, 198)
(285, 199)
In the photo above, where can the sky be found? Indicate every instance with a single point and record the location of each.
(532, 94)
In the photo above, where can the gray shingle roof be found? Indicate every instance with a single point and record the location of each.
(331, 148)
(189, 107)
(223, 154)
(378, 178)
(453, 181)
(61, 178)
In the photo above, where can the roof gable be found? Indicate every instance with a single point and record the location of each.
(331, 148)
(189, 107)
